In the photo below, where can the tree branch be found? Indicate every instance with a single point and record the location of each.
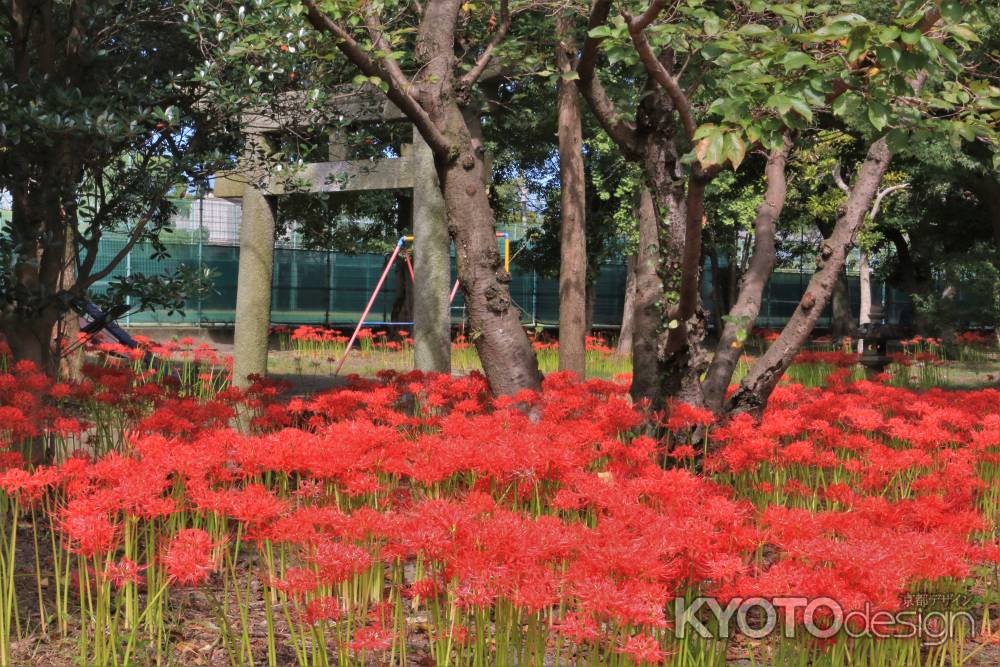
(882, 194)
(398, 95)
(470, 77)
(636, 29)
(744, 311)
(83, 282)
(621, 132)
(839, 180)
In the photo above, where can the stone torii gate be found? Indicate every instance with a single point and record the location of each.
(413, 169)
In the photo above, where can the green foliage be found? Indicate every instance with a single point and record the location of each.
(100, 118)
(761, 68)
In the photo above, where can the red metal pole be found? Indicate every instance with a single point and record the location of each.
(409, 265)
(371, 302)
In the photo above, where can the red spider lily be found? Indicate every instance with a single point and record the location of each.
(124, 572)
(189, 558)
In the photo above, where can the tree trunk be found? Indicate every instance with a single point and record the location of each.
(756, 387)
(841, 315)
(684, 359)
(646, 316)
(573, 240)
(628, 310)
(744, 311)
(439, 102)
(505, 352)
(68, 329)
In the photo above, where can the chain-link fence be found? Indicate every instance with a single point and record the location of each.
(313, 287)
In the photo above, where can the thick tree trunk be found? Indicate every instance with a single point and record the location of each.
(756, 387)
(628, 310)
(573, 240)
(841, 313)
(646, 316)
(684, 359)
(504, 349)
(31, 340)
(744, 311)
(505, 352)
(439, 102)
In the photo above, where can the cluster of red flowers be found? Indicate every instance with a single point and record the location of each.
(555, 504)
(316, 334)
(976, 338)
(837, 358)
(592, 344)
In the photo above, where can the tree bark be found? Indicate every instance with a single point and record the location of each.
(438, 102)
(744, 312)
(624, 348)
(646, 316)
(572, 179)
(756, 387)
(841, 315)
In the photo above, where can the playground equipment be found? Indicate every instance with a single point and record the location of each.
(396, 252)
(102, 320)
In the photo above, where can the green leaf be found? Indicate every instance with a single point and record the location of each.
(897, 139)
(952, 11)
(889, 34)
(846, 104)
(709, 150)
(796, 60)
(571, 75)
(801, 108)
(753, 30)
(735, 149)
(712, 25)
(878, 115)
(780, 103)
(964, 32)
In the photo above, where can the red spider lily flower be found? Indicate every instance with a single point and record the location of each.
(124, 572)
(371, 638)
(323, 610)
(682, 416)
(189, 558)
(297, 582)
(643, 650)
(90, 532)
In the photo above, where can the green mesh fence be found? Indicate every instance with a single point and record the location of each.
(312, 287)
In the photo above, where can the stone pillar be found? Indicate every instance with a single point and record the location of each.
(253, 286)
(431, 265)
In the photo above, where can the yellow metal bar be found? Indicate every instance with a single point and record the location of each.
(506, 254)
